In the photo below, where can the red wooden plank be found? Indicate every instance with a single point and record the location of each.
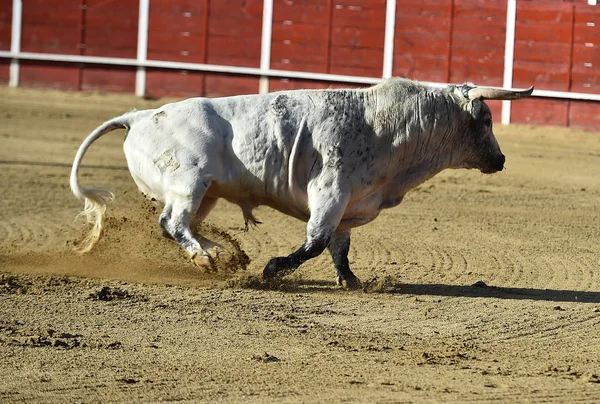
(372, 18)
(429, 25)
(53, 14)
(585, 13)
(51, 39)
(431, 67)
(360, 57)
(102, 12)
(583, 35)
(234, 52)
(543, 33)
(533, 51)
(110, 42)
(253, 8)
(234, 25)
(293, 53)
(545, 76)
(5, 24)
(51, 26)
(585, 115)
(162, 83)
(538, 111)
(176, 46)
(4, 70)
(108, 78)
(360, 38)
(420, 44)
(421, 3)
(479, 12)
(221, 85)
(177, 7)
(585, 80)
(480, 52)
(478, 33)
(585, 53)
(489, 73)
(531, 12)
(481, 4)
(176, 21)
(60, 76)
(359, 5)
(419, 8)
(301, 3)
(299, 32)
(301, 13)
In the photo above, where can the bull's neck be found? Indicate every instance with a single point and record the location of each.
(423, 140)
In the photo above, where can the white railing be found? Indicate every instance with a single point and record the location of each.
(264, 71)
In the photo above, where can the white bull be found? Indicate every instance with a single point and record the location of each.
(333, 158)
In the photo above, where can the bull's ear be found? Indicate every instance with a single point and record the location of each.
(475, 106)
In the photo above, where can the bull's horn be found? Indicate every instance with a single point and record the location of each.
(491, 93)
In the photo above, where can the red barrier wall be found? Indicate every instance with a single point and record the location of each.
(5, 29)
(556, 46)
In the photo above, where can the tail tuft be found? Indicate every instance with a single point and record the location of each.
(94, 211)
(96, 199)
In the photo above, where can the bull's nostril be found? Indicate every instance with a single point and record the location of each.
(500, 164)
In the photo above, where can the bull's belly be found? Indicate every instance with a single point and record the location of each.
(248, 198)
(360, 212)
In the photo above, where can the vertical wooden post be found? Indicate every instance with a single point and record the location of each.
(388, 42)
(15, 42)
(265, 47)
(509, 55)
(142, 47)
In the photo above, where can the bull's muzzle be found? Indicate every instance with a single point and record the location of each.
(495, 164)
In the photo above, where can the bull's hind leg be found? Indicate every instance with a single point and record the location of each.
(328, 206)
(339, 246)
(214, 249)
(175, 220)
(206, 206)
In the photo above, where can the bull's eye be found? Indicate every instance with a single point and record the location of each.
(487, 121)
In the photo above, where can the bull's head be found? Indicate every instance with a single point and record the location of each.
(479, 145)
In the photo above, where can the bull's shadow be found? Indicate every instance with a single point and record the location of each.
(481, 290)
(477, 290)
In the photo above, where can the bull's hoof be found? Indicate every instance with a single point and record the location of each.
(276, 268)
(352, 283)
(203, 261)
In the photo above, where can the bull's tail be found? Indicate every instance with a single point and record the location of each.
(95, 198)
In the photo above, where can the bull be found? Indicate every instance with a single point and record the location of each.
(332, 158)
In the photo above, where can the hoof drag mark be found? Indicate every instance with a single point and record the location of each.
(578, 272)
(381, 283)
(373, 256)
(108, 294)
(35, 233)
(14, 334)
(509, 270)
(233, 258)
(438, 264)
(11, 284)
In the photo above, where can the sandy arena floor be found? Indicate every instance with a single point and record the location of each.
(479, 288)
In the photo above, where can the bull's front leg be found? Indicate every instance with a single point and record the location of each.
(328, 204)
(339, 246)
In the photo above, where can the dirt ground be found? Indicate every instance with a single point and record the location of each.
(477, 288)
